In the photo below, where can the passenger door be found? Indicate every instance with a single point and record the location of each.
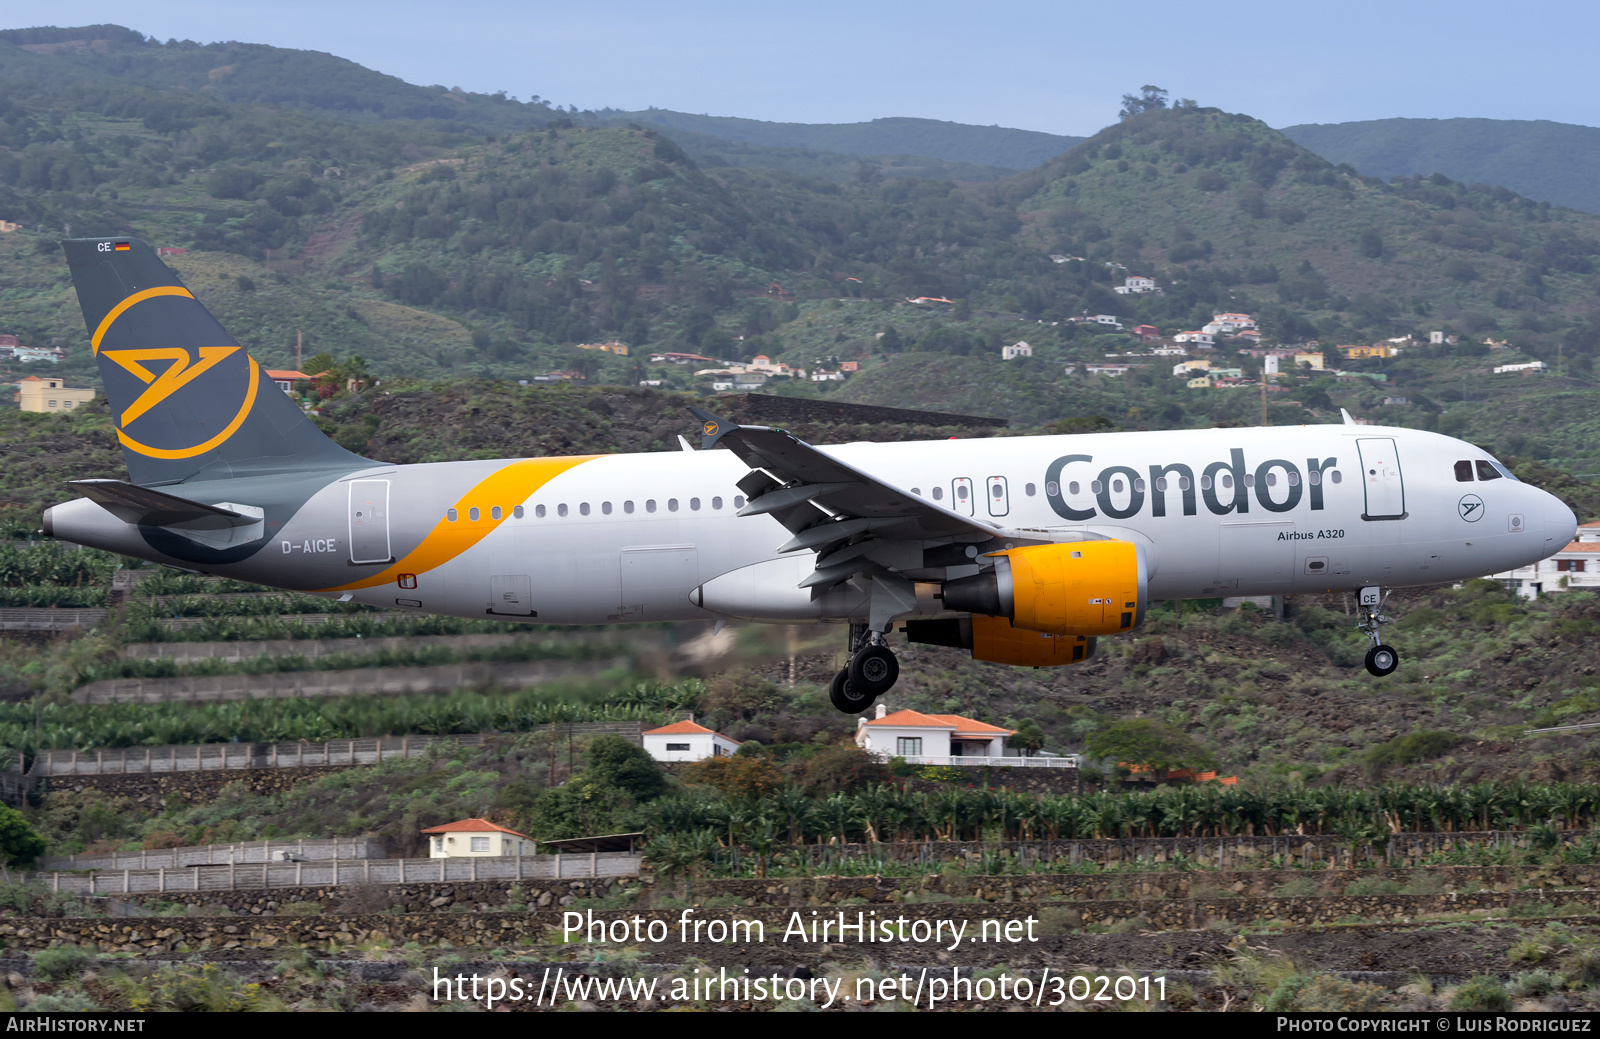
(369, 521)
(1380, 476)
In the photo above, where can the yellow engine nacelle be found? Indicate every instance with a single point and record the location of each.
(1079, 588)
(994, 639)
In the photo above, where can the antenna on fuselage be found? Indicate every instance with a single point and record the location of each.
(1347, 419)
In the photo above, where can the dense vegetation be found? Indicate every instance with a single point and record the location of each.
(1546, 161)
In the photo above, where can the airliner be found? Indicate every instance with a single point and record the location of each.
(1021, 551)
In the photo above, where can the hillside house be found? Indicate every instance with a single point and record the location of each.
(480, 838)
(286, 378)
(1356, 353)
(613, 347)
(849, 366)
(1199, 382)
(687, 741)
(1108, 370)
(930, 739)
(1018, 349)
(1522, 369)
(1135, 285)
(1577, 565)
(823, 375)
(1312, 359)
(1186, 367)
(1203, 340)
(1228, 324)
(36, 353)
(1109, 320)
(49, 395)
(669, 357)
(1149, 333)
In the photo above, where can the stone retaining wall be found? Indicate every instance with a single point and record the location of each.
(453, 896)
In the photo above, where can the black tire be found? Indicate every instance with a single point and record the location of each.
(1382, 660)
(843, 695)
(874, 670)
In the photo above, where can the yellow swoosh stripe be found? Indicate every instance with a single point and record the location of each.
(505, 487)
(138, 297)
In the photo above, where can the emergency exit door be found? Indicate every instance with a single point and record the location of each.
(1380, 477)
(961, 493)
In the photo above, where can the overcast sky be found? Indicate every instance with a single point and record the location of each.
(1060, 67)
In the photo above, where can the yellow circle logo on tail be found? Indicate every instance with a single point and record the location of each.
(210, 390)
(710, 429)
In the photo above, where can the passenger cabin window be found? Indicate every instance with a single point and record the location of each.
(583, 508)
(538, 510)
(494, 513)
(738, 501)
(1463, 471)
(694, 504)
(605, 508)
(627, 507)
(516, 511)
(452, 515)
(650, 505)
(672, 505)
(1486, 471)
(716, 503)
(1029, 489)
(938, 494)
(473, 514)
(561, 510)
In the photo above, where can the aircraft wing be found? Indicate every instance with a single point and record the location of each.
(850, 518)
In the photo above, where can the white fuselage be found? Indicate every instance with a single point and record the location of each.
(628, 538)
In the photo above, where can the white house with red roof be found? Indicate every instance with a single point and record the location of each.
(466, 838)
(930, 739)
(687, 741)
(1575, 566)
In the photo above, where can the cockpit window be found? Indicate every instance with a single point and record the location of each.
(1487, 470)
(1463, 471)
(1502, 470)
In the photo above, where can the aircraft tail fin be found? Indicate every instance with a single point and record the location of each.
(186, 399)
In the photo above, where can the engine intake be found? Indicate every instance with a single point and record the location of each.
(1076, 588)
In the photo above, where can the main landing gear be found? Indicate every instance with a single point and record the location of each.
(872, 672)
(1381, 659)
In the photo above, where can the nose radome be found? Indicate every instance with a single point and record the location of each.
(1560, 524)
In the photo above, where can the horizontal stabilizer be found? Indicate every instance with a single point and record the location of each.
(152, 508)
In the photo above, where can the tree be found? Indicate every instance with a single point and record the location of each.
(20, 843)
(1148, 741)
(1028, 737)
(616, 762)
(1150, 97)
(740, 776)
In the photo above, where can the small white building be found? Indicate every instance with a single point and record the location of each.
(1109, 320)
(930, 739)
(1575, 566)
(1135, 284)
(1204, 340)
(1018, 349)
(467, 838)
(687, 741)
(1198, 365)
(1531, 366)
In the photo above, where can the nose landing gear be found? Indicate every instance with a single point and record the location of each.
(872, 672)
(1381, 659)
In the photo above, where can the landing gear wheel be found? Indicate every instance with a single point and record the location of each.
(874, 670)
(843, 695)
(1382, 660)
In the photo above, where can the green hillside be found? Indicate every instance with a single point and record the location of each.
(952, 142)
(246, 73)
(1546, 161)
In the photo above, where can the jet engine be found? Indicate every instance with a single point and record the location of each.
(1079, 588)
